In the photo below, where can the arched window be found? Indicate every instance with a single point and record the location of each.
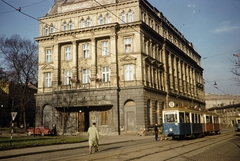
(130, 16)
(123, 17)
(64, 26)
(108, 19)
(88, 22)
(82, 23)
(101, 20)
(46, 32)
(70, 25)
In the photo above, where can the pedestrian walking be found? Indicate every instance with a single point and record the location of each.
(161, 132)
(156, 132)
(93, 137)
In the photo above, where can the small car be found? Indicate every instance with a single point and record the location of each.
(40, 130)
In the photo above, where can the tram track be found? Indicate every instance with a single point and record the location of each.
(166, 150)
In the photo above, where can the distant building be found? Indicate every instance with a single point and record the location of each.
(215, 100)
(114, 62)
(226, 106)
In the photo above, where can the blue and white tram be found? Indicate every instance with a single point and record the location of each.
(182, 122)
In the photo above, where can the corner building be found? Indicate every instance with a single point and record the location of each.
(114, 62)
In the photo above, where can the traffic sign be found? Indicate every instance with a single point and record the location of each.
(14, 114)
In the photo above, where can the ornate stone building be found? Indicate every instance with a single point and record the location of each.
(114, 62)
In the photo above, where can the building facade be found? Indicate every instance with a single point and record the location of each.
(114, 62)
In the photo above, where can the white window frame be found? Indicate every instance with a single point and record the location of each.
(86, 76)
(51, 29)
(48, 54)
(48, 79)
(101, 20)
(46, 31)
(88, 22)
(130, 16)
(82, 23)
(127, 45)
(105, 74)
(86, 52)
(67, 77)
(67, 53)
(128, 72)
(108, 19)
(64, 26)
(70, 25)
(123, 17)
(104, 48)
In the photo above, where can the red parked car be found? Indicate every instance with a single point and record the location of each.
(40, 130)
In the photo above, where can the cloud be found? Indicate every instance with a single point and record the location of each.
(191, 5)
(225, 26)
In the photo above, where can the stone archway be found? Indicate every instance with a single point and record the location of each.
(48, 116)
(130, 116)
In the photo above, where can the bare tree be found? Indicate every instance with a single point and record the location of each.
(20, 58)
(236, 71)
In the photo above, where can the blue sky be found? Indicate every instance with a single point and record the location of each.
(213, 26)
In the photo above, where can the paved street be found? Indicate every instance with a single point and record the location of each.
(134, 147)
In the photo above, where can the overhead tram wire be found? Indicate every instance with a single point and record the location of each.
(24, 6)
(230, 52)
(215, 87)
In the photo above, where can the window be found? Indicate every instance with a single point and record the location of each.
(48, 56)
(64, 26)
(127, 45)
(130, 16)
(82, 23)
(108, 19)
(170, 117)
(101, 20)
(67, 53)
(88, 22)
(85, 50)
(128, 72)
(51, 29)
(70, 26)
(123, 17)
(86, 76)
(67, 77)
(105, 74)
(104, 48)
(46, 31)
(48, 79)
(104, 117)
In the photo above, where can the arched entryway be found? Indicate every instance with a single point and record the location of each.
(48, 116)
(130, 115)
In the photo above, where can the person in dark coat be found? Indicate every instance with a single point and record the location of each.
(156, 132)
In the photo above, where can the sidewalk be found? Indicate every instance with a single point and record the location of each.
(103, 141)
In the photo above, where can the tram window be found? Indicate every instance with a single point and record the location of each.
(187, 118)
(170, 117)
(193, 118)
(211, 121)
(198, 118)
(207, 119)
(181, 116)
(238, 121)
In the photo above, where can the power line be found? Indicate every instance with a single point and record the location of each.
(215, 87)
(23, 6)
(230, 52)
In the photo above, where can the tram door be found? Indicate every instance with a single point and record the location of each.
(81, 122)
